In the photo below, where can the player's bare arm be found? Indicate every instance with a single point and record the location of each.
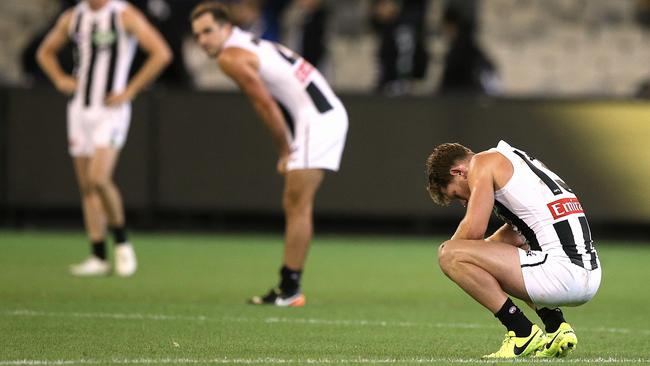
(508, 235)
(242, 67)
(150, 40)
(479, 206)
(47, 55)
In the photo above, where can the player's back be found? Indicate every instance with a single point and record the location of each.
(291, 80)
(544, 209)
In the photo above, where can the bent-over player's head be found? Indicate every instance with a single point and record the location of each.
(96, 4)
(445, 176)
(211, 26)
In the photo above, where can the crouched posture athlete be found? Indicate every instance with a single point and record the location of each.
(543, 254)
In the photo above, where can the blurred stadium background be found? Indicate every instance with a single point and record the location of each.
(566, 80)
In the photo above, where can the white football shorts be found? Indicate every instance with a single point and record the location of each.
(319, 140)
(552, 280)
(91, 128)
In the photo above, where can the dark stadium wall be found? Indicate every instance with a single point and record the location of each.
(3, 153)
(208, 152)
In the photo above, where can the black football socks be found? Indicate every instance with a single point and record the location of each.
(289, 281)
(119, 235)
(552, 318)
(98, 249)
(514, 319)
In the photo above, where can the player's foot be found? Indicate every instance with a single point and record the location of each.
(514, 346)
(559, 343)
(278, 298)
(92, 266)
(125, 262)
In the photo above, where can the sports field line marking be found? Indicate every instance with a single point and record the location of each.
(117, 316)
(311, 361)
(307, 321)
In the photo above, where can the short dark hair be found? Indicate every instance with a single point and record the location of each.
(218, 10)
(438, 164)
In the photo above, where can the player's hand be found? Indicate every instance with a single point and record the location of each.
(282, 164)
(113, 100)
(66, 85)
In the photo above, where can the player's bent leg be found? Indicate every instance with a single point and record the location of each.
(559, 343)
(486, 271)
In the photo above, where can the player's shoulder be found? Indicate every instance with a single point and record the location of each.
(489, 160)
(231, 56)
(127, 10)
(122, 5)
(65, 20)
(132, 18)
(487, 157)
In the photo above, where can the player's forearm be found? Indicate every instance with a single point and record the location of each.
(506, 234)
(154, 65)
(467, 231)
(274, 122)
(50, 65)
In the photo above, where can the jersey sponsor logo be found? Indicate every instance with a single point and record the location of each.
(303, 71)
(104, 38)
(565, 207)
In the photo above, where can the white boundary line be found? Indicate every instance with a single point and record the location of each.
(305, 321)
(311, 361)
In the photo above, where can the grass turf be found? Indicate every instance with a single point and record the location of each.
(371, 300)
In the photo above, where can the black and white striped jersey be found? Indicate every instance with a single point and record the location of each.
(103, 52)
(544, 209)
(292, 81)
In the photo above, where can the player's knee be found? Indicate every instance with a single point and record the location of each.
(295, 201)
(447, 256)
(85, 189)
(97, 184)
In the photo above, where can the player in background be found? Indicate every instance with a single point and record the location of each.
(105, 35)
(307, 122)
(543, 254)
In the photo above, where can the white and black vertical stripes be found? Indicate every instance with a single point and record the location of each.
(512, 219)
(544, 209)
(105, 52)
(110, 80)
(565, 234)
(586, 234)
(320, 100)
(75, 50)
(91, 65)
(550, 183)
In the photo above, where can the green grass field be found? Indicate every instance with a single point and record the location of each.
(370, 300)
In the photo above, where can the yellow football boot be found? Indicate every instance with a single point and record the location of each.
(514, 346)
(559, 343)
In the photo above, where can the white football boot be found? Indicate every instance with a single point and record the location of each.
(92, 266)
(125, 262)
